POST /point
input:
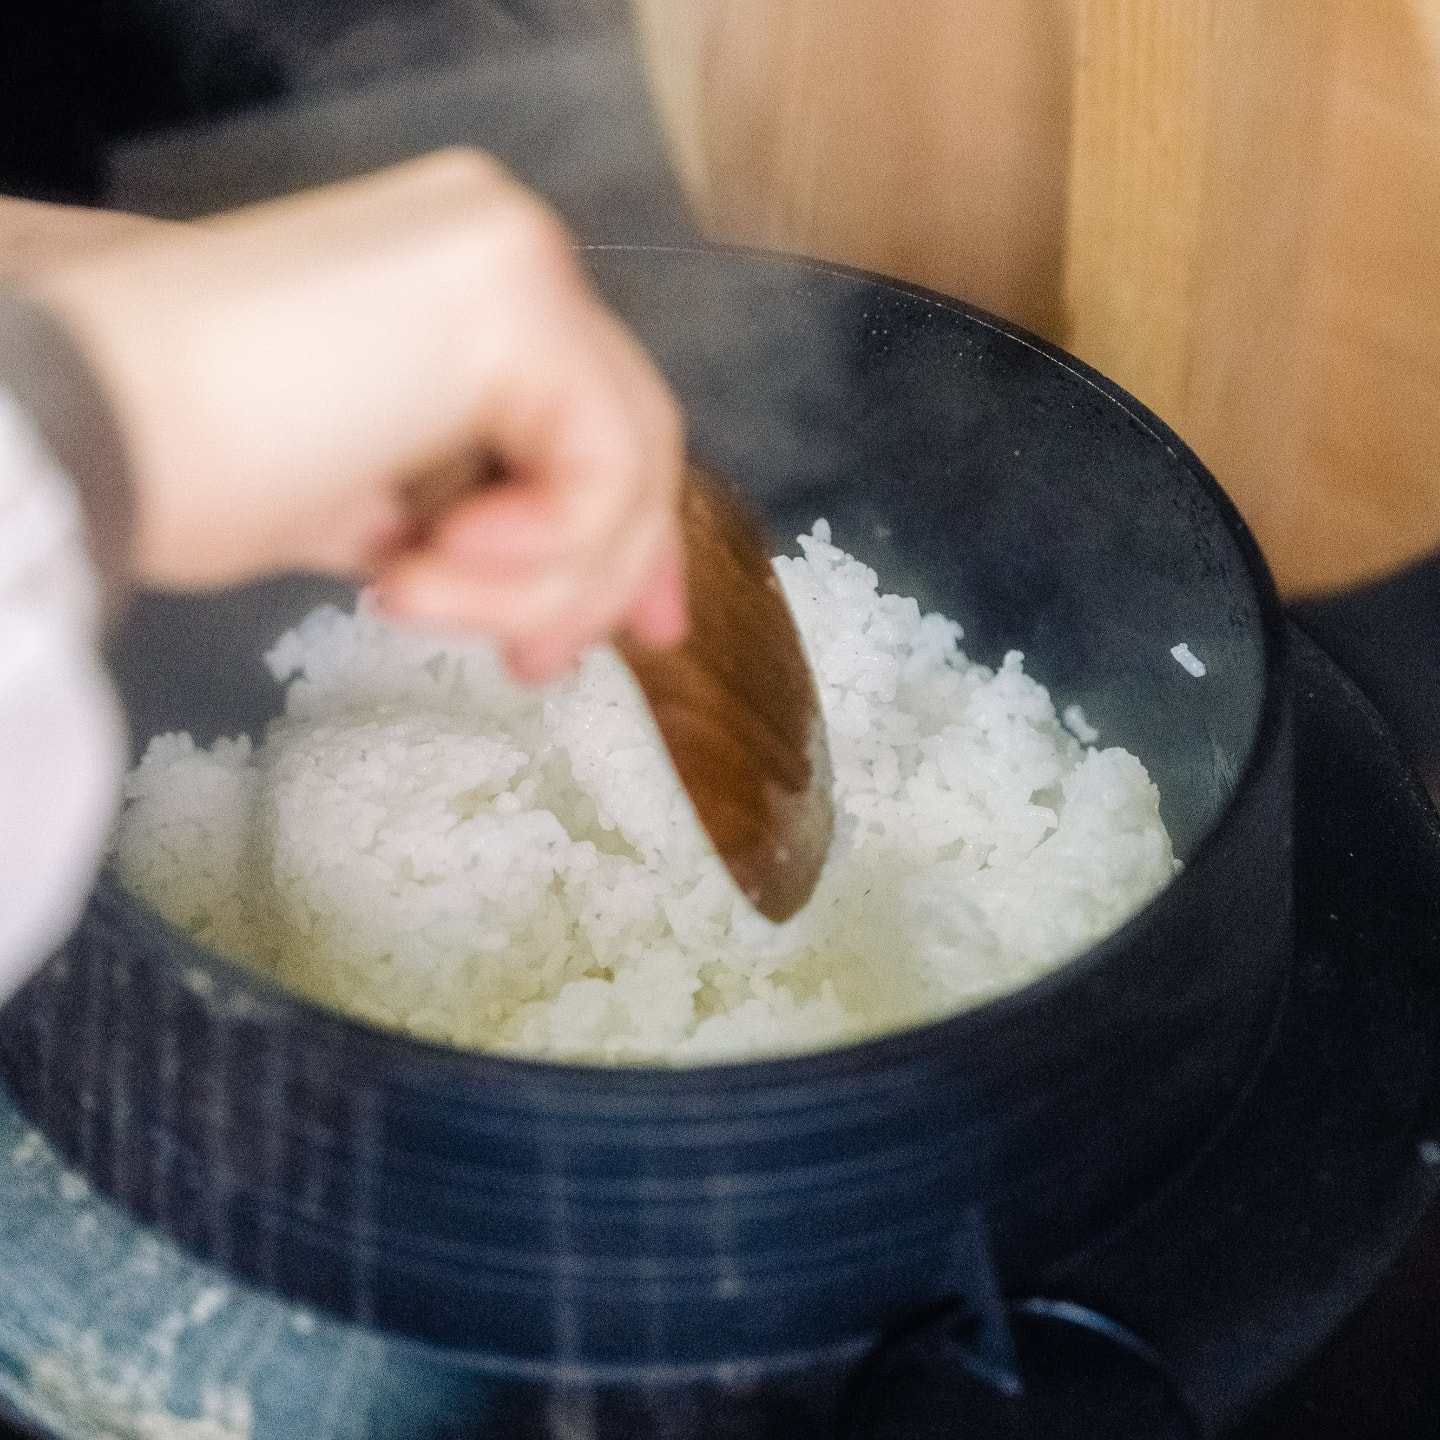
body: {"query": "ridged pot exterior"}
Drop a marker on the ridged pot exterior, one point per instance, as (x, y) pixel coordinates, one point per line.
(567, 1219)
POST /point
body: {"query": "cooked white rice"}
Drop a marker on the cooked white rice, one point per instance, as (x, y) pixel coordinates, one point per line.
(425, 845)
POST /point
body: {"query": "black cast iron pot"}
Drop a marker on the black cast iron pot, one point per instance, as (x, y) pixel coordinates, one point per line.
(565, 1220)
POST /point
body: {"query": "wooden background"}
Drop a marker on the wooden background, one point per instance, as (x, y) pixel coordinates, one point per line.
(1232, 207)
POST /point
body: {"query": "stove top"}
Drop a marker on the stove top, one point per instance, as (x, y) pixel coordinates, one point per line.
(1245, 1275)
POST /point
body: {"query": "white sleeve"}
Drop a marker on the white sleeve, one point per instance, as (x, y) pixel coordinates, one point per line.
(62, 748)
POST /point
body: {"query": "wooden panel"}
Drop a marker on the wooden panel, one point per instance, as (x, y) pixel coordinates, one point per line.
(1145, 77)
(1254, 250)
(921, 138)
(1196, 152)
(1370, 463)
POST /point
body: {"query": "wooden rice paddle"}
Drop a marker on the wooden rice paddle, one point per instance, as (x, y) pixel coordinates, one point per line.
(735, 702)
(737, 707)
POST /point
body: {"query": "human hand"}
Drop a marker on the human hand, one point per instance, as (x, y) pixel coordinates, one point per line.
(283, 374)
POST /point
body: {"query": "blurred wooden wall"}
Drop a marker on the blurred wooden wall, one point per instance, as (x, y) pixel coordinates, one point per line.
(1232, 207)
